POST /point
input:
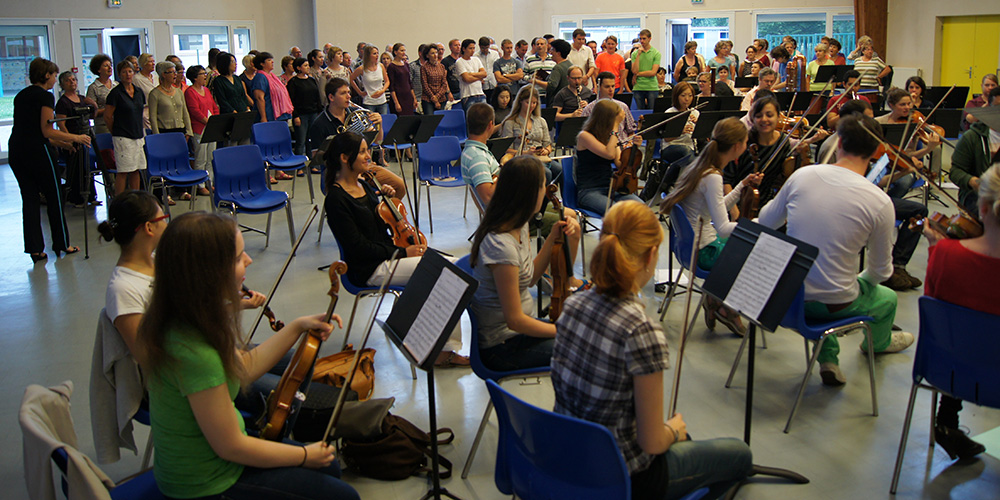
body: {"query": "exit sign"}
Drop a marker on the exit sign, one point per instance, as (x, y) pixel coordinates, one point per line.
(114, 4)
(697, 1)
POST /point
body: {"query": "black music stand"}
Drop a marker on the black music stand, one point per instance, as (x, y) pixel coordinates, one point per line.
(568, 131)
(228, 127)
(947, 118)
(784, 99)
(719, 285)
(549, 115)
(730, 103)
(746, 82)
(421, 320)
(499, 146)
(714, 103)
(803, 100)
(956, 99)
(624, 97)
(708, 119)
(836, 71)
(423, 133)
(404, 128)
(669, 130)
(662, 105)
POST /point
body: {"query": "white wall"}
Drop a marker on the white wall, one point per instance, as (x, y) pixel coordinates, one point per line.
(278, 25)
(410, 22)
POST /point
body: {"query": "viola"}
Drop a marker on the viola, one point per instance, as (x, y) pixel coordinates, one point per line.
(750, 197)
(560, 261)
(393, 212)
(276, 324)
(279, 402)
(787, 125)
(896, 156)
(924, 129)
(959, 226)
(625, 180)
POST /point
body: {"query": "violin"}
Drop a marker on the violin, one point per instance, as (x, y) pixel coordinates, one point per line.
(625, 180)
(393, 212)
(279, 402)
(276, 324)
(787, 125)
(750, 197)
(895, 156)
(560, 261)
(959, 226)
(924, 129)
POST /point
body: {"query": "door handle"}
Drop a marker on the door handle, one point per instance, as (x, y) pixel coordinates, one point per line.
(969, 71)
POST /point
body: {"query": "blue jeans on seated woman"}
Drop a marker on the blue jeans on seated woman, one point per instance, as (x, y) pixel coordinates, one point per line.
(688, 466)
(596, 199)
(518, 353)
(382, 109)
(291, 483)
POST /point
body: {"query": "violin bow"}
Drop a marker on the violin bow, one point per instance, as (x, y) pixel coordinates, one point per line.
(281, 274)
(920, 174)
(928, 117)
(902, 140)
(798, 123)
(527, 115)
(338, 408)
(663, 122)
(687, 317)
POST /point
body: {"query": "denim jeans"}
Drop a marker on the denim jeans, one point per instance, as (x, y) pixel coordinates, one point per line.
(644, 99)
(429, 108)
(596, 199)
(382, 109)
(467, 102)
(518, 353)
(291, 483)
(717, 464)
(302, 132)
(906, 240)
(553, 171)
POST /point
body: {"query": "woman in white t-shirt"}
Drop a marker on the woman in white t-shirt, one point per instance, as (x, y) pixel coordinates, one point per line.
(374, 81)
(699, 191)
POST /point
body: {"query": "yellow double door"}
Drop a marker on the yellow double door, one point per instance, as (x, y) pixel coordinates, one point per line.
(970, 48)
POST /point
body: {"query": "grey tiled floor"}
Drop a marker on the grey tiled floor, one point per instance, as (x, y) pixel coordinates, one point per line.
(50, 311)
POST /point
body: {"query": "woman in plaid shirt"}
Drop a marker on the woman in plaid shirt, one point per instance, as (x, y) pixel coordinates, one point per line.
(608, 362)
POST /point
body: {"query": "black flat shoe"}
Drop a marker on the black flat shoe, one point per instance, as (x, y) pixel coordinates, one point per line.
(956, 443)
(38, 257)
(68, 251)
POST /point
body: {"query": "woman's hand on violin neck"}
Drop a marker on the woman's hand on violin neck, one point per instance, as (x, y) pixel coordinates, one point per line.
(318, 455)
(387, 190)
(316, 325)
(253, 300)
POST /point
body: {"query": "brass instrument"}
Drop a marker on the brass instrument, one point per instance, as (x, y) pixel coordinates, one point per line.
(356, 120)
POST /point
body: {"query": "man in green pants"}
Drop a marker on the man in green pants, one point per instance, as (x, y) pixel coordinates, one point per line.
(836, 209)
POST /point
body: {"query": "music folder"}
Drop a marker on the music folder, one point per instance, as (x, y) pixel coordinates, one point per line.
(836, 71)
(759, 272)
(499, 146)
(429, 308)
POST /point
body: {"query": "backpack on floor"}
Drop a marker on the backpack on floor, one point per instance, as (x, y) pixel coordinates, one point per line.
(401, 450)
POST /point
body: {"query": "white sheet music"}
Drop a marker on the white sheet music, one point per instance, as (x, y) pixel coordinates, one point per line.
(434, 315)
(759, 275)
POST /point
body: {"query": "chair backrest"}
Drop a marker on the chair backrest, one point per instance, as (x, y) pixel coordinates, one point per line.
(351, 288)
(104, 141)
(957, 351)
(273, 139)
(475, 360)
(437, 157)
(569, 182)
(681, 235)
(795, 316)
(542, 454)
(240, 173)
(167, 154)
(453, 124)
(636, 113)
(388, 120)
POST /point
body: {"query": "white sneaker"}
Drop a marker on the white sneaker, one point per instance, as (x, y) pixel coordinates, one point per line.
(899, 342)
(831, 374)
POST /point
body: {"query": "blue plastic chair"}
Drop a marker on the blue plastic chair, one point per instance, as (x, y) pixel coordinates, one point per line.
(452, 124)
(485, 373)
(956, 355)
(359, 292)
(241, 185)
(680, 238)
(817, 332)
(169, 165)
(141, 487)
(275, 143)
(543, 454)
(569, 199)
(437, 162)
(388, 120)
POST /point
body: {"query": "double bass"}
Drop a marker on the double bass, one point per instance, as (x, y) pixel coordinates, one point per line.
(393, 212)
(280, 401)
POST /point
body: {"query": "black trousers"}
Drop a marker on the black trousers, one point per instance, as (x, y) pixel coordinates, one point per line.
(35, 171)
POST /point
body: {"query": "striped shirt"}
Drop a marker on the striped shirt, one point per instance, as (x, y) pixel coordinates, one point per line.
(601, 344)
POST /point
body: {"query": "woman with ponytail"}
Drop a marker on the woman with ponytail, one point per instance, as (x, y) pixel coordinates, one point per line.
(699, 192)
(503, 263)
(608, 362)
(965, 273)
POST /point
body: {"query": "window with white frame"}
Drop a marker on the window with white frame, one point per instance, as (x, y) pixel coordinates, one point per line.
(192, 43)
(19, 44)
(807, 29)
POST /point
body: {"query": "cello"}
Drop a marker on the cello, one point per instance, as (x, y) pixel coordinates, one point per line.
(393, 212)
(560, 261)
(279, 402)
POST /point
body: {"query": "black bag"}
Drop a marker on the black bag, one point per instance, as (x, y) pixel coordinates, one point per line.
(662, 177)
(314, 412)
(400, 451)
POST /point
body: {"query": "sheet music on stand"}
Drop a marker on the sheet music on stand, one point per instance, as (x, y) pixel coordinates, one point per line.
(434, 315)
(759, 272)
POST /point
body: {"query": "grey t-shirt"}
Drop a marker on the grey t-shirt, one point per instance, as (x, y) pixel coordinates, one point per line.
(500, 248)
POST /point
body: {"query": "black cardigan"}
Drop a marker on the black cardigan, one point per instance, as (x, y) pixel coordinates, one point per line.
(364, 237)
